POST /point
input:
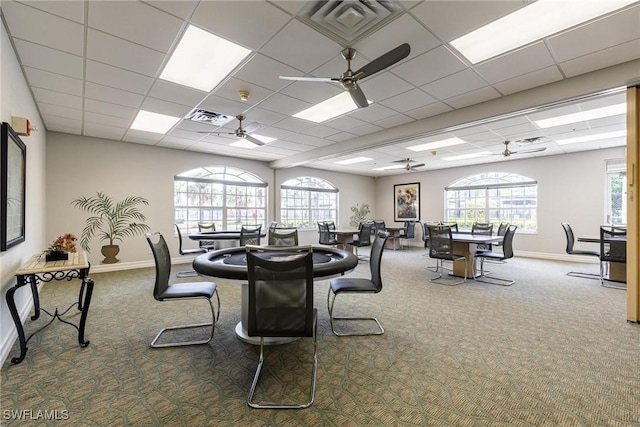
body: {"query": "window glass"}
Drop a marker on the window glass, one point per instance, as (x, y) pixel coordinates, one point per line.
(229, 197)
(493, 197)
(306, 200)
(616, 204)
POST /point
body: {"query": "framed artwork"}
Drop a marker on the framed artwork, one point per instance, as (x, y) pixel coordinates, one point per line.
(407, 202)
(13, 155)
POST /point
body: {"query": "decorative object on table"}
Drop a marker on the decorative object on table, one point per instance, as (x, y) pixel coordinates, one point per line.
(61, 248)
(13, 155)
(406, 202)
(111, 221)
(360, 212)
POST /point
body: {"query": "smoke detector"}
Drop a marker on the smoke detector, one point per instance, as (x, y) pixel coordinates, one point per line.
(244, 95)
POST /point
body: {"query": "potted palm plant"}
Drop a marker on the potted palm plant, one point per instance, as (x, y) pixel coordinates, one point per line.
(111, 221)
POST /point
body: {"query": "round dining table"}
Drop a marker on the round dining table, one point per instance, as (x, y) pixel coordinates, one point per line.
(224, 239)
(231, 263)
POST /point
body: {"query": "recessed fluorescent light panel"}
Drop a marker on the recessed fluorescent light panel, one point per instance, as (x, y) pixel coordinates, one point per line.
(437, 144)
(516, 29)
(596, 113)
(465, 156)
(153, 122)
(596, 137)
(332, 107)
(202, 60)
(245, 143)
(390, 167)
(353, 160)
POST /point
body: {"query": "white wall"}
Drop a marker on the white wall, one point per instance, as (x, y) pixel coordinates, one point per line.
(16, 100)
(571, 188)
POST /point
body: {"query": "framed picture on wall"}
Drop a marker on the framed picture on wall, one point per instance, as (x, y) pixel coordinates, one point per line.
(407, 202)
(13, 153)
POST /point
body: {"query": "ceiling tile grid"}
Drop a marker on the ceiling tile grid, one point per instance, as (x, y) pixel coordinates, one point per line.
(91, 67)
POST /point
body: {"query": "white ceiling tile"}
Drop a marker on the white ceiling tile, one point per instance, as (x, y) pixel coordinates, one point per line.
(264, 71)
(174, 142)
(516, 63)
(102, 119)
(529, 80)
(44, 58)
(383, 85)
(108, 49)
(284, 104)
(312, 92)
(136, 22)
(179, 94)
(393, 121)
(344, 122)
(59, 111)
(160, 106)
(291, 7)
(455, 84)
(100, 107)
(231, 88)
(112, 95)
(58, 124)
(301, 48)
(597, 35)
(473, 97)
(373, 113)
(342, 136)
(266, 20)
(409, 100)
(264, 117)
(107, 75)
(605, 58)
(430, 66)
(179, 8)
(57, 98)
(51, 81)
(428, 110)
(365, 129)
(98, 130)
(44, 28)
(72, 10)
(294, 124)
(320, 131)
(451, 19)
(142, 137)
(221, 105)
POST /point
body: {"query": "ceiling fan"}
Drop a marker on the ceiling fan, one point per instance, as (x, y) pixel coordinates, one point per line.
(242, 132)
(349, 79)
(408, 166)
(506, 152)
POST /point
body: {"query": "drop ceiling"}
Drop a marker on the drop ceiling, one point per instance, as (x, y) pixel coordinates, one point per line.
(92, 65)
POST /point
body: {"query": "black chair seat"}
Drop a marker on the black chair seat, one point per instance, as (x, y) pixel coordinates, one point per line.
(189, 290)
(583, 252)
(499, 256)
(348, 284)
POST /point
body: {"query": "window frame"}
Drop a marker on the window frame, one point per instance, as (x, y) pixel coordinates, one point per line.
(314, 213)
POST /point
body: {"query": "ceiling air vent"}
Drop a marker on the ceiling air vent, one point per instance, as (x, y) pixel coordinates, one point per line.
(347, 21)
(204, 116)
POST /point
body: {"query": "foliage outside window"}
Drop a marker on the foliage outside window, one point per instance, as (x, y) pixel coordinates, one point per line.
(306, 200)
(493, 197)
(223, 195)
(616, 206)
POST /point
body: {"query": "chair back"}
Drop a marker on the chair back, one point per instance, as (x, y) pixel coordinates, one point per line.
(162, 260)
(507, 242)
(440, 242)
(409, 229)
(378, 225)
(364, 237)
(502, 228)
(273, 225)
(283, 237)
(324, 237)
(330, 225)
(250, 235)
(280, 292)
(482, 228)
(613, 251)
(375, 260)
(206, 226)
(179, 240)
(570, 238)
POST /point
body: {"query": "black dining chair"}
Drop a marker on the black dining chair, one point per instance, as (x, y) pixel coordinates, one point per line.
(441, 249)
(209, 245)
(364, 238)
(409, 232)
(612, 251)
(483, 229)
(182, 251)
(378, 225)
(282, 237)
(250, 235)
(507, 252)
(568, 231)
(354, 285)
(324, 236)
(280, 304)
(163, 291)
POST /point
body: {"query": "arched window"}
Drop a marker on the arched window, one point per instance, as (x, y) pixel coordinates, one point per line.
(305, 200)
(493, 197)
(229, 197)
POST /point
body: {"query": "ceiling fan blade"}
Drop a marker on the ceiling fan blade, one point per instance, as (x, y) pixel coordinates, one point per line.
(254, 140)
(419, 165)
(384, 61)
(216, 133)
(310, 79)
(358, 96)
(252, 127)
(535, 150)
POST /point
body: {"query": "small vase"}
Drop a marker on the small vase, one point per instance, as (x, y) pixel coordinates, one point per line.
(56, 256)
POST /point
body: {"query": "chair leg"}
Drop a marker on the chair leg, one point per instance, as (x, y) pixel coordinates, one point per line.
(440, 265)
(331, 302)
(491, 280)
(190, 326)
(608, 283)
(187, 273)
(312, 392)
